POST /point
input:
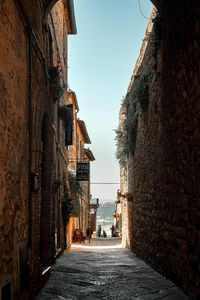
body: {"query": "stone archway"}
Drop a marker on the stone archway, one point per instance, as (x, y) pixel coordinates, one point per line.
(45, 216)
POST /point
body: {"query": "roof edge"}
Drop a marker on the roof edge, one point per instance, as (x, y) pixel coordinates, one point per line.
(89, 154)
(83, 128)
(75, 99)
(70, 6)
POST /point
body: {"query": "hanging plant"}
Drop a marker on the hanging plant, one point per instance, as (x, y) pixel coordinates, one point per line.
(56, 88)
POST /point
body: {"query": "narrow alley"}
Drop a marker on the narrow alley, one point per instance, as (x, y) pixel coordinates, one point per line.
(100, 141)
(104, 270)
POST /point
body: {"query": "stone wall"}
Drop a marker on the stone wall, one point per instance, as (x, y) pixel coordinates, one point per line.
(164, 172)
(14, 148)
(32, 153)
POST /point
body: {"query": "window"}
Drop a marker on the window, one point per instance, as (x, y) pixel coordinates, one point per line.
(69, 129)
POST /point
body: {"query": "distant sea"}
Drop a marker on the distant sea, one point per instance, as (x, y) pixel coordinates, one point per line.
(107, 200)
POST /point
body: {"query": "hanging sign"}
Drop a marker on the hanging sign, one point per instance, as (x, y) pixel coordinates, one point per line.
(82, 171)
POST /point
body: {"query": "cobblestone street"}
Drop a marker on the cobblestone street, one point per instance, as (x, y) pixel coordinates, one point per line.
(103, 270)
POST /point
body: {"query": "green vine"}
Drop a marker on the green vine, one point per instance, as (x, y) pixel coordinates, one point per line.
(140, 90)
(156, 33)
(67, 205)
(58, 89)
(76, 193)
(154, 37)
(136, 101)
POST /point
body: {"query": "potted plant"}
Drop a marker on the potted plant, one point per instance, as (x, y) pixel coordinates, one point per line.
(56, 88)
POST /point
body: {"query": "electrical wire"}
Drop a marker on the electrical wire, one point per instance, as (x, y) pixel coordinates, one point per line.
(104, 183)
(141, 10)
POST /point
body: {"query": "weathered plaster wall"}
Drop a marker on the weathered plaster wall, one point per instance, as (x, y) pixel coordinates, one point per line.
(164, 172)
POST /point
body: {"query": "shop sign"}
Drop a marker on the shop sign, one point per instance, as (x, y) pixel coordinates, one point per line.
(82, 171)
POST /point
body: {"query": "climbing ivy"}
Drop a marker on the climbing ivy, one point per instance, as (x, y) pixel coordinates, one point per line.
(156, 31)
(76, 193)
(154, 37)
(140, 90)
(135, 102)
(67, 205)
(58, 89)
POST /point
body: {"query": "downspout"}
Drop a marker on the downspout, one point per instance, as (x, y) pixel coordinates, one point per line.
(70, 8)
(30, 136)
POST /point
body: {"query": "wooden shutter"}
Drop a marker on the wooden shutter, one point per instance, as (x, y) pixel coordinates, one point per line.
(69, 130)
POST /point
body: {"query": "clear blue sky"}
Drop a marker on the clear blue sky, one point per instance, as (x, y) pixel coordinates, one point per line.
(101, 59)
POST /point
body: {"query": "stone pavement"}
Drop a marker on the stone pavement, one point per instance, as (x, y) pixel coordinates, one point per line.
(97, 271)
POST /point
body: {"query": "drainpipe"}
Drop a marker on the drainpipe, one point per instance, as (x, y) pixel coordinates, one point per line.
(30, 137)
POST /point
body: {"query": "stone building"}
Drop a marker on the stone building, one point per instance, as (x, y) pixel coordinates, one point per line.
(83, 158)
(78, 154)
(89, 157)
(125, 157)
(33, 153)
(162, 133)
